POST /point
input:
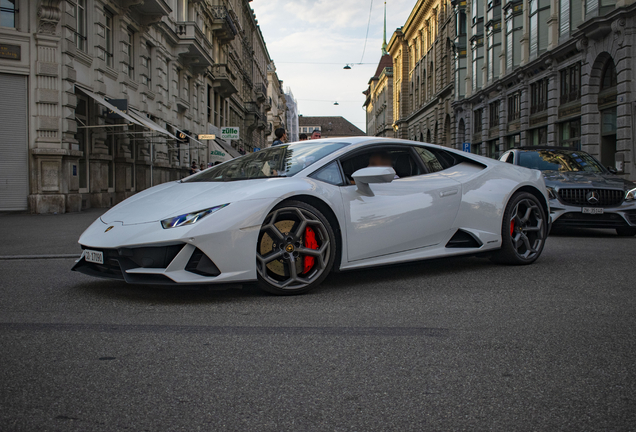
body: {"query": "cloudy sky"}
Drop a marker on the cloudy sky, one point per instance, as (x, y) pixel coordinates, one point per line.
(310, 41)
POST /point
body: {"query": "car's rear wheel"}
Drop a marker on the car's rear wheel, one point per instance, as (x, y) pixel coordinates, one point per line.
(295, 250)
(524, 231)
(626, 231)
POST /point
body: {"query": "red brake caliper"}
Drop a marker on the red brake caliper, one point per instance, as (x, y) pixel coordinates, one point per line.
(512, 226)
(311, 243)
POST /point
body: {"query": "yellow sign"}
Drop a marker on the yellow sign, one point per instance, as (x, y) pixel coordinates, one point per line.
(207, 136)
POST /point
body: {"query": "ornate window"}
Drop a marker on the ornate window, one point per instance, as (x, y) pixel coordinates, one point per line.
(539, 16)
(8, 11)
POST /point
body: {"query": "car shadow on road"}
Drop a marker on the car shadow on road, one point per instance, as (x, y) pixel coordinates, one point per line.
(335, 283)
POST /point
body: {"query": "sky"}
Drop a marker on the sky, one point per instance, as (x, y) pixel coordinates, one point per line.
(310, 41)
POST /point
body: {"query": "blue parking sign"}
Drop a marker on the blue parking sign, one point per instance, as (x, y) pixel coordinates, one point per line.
(466, 147)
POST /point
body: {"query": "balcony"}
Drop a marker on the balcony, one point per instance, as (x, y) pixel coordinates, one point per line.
(268, 129)
(254, 117)
(194, 46)
(267, 105)
(261, 92)
(153, 8)
(223, 26)
(224, 80)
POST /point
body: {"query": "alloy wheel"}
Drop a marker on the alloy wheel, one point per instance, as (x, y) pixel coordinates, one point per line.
(527, 231)
(293, 248)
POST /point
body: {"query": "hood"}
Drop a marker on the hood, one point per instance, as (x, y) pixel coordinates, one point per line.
(176, 198)
(583, 179)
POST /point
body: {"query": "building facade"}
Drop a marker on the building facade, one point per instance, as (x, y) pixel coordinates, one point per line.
(105, 98)
(537, 72)
(292, 116)
(329, 126)
(277, 114)
(379, 99)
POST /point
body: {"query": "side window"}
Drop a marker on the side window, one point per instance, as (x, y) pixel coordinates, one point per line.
(431, 162)
(329, 174)
(508, 157)
(401, 159)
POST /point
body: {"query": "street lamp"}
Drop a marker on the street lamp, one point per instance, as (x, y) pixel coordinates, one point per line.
(347, 67)
(336, 103)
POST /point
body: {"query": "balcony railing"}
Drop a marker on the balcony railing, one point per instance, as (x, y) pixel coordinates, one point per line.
(223, 25)
(224, 81)
(189, 34)
(261, 91)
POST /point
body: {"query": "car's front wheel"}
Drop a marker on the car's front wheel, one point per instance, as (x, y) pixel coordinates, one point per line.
(296, 249)
(524, 230)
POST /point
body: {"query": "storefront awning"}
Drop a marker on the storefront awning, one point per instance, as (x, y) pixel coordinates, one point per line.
(110, 106)
(149, 123)
(228, 148)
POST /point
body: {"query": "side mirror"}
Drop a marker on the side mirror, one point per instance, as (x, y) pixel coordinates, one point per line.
(612, 170)
(365, 176)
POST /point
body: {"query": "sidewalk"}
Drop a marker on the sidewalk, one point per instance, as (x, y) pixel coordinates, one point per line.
(27, 234)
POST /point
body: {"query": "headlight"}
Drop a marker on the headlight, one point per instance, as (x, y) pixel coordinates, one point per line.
(630, 195)
(551, 192)
(189, 218)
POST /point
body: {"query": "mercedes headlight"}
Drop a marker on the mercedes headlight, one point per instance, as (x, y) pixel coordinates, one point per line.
(189, 218)
(551, 192)
(630, 195)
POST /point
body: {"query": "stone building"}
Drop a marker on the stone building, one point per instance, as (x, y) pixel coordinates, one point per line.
(423, 89)
(557, 72)
(329, 126)
(292, 116)
(379, 99)
(104, 98)
(277, 114)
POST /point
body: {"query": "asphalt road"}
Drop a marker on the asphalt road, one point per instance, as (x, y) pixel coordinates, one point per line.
(456, 344)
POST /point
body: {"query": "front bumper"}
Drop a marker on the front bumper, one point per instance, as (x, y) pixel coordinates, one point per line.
(563, 215)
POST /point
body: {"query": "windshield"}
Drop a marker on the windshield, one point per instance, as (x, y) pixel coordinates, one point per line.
(277, 161)
(559, 160)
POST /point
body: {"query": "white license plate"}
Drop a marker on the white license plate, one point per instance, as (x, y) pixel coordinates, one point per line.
(592, 210)
(94, 256)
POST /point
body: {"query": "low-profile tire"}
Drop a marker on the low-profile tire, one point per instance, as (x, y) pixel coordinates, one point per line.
(626, 231)
(296, 249)
(523, 232)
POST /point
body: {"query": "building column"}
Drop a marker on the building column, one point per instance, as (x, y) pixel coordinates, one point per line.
(553, 107)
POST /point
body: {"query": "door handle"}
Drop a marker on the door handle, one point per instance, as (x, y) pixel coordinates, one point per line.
(448, 192)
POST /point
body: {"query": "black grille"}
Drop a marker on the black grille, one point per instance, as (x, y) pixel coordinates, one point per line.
(580, 220)
(579, 197)
(631, 216)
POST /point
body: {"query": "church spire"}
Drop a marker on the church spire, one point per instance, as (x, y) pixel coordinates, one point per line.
(384, 52)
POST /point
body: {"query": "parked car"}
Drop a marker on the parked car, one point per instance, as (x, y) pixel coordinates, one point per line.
(583, 193)
(288, 215)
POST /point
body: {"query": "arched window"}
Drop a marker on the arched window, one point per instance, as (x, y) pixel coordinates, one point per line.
(428, 136)
(609, 78)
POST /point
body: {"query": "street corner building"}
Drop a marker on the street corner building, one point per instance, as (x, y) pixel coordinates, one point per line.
(489, 75)
(104, 98)
(328, 126)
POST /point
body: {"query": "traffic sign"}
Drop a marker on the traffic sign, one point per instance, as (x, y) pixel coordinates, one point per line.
(466, 147)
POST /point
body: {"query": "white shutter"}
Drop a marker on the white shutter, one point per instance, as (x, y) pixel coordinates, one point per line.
(564, 18)
(14, 172)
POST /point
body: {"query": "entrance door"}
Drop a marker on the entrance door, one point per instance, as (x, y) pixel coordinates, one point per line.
(14, 170)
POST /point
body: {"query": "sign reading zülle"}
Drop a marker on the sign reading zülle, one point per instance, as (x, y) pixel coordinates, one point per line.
(230, 133)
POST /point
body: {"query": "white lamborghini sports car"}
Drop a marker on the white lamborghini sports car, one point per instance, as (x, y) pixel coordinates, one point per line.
(288, 215)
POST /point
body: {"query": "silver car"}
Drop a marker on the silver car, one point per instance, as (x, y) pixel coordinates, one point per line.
(583, 193)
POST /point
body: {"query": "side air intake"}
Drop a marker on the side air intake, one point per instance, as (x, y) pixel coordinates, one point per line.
(200, 264)
(464, 239)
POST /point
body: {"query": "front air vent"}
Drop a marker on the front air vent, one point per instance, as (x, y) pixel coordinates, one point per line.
(464, 239)
(200, 264)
